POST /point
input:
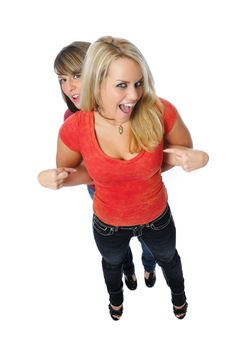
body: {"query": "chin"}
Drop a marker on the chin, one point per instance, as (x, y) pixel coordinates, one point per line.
(125, 117)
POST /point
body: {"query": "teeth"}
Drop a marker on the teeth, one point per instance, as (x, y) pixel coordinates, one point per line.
(129, 105)
(75, 96)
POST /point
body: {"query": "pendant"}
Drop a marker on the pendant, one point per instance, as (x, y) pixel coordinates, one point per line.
(120, 129)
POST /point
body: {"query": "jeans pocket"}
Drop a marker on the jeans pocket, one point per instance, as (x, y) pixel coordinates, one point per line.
(101, 228)
(162, 221)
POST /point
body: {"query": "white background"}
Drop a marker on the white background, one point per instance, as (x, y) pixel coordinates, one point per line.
(52, 293)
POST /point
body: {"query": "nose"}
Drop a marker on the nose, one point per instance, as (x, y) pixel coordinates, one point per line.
(133, 94)
(70, 84)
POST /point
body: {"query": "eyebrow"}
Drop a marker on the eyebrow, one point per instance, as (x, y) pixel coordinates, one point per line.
(73, 73)
(124, 81)
(61, 75)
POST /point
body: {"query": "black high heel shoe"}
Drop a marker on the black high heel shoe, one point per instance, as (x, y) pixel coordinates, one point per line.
(130, 283)
(114, 313)
(150, 281)
(180, 313)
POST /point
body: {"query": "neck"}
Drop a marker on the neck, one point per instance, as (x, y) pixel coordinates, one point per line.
(113, 122)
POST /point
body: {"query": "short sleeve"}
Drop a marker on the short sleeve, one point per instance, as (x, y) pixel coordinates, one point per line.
(169, 116)
(69, 132)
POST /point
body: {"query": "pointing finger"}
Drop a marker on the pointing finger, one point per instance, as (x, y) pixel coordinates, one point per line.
(176, 151)
(70, 170)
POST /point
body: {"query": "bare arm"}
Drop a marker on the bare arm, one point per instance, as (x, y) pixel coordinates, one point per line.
(65, 157)
(179, 135)
(61, 177)
(71, 170)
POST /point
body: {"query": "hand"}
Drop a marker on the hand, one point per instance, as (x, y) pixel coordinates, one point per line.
(54, 178)
(189, 159)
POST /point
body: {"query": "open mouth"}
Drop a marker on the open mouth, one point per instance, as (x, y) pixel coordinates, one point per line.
(75, 97)
(127, 107)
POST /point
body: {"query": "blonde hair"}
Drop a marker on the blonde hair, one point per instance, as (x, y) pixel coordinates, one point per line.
(69, 62)
(146, 119)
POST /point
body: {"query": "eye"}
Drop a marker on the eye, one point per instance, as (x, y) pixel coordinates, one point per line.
(61, 80)
(76, 76)
(122, 85)
(139, 84)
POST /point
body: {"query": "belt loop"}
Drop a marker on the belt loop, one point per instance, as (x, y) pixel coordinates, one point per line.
(137, 231)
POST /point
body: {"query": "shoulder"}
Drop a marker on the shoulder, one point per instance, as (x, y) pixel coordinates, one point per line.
(77, 123)
(75, 118)
(167, 107)
(71, 123)
(67, 114)
(74, 130)
(69, 131)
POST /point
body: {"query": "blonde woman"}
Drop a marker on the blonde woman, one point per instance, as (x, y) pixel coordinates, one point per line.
(120, 135)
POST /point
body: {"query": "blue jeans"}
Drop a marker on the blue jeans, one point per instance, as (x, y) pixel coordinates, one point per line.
(147, 257)
(159, 235)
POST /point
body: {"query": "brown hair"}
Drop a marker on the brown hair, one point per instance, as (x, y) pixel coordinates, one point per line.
(69, 62)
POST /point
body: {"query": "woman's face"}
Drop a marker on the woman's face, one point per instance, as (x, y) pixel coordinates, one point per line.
(121, 90)
(71, 85)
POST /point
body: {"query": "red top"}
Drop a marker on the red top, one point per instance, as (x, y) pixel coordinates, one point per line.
(128, 192)
(67, 114)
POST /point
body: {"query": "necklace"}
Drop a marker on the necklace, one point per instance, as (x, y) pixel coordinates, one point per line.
(120, 127)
